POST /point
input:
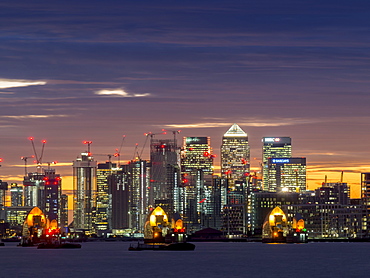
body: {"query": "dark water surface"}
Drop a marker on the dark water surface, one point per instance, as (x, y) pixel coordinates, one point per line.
(112, 259)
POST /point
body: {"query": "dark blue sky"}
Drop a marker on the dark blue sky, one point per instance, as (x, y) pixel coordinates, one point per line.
(108, 68)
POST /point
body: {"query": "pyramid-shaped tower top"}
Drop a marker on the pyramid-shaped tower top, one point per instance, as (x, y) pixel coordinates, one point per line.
(235, 131)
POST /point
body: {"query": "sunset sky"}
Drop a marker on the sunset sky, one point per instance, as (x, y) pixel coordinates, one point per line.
(97, 70)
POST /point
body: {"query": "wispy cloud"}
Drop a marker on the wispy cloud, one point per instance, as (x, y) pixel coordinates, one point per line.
(119, 93)
(254, 122)
(20, 117)
(13, 83)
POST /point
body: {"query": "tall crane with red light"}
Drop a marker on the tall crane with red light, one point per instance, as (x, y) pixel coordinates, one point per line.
(25, 158)
(88, 143)
(38, 158)
(118, 151)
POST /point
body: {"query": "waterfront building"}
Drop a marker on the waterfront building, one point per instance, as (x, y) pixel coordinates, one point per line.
(333, 193)
(52, 193)
(119, 209)
(104, 170)
(63, 219)
(365, 196)
(274, 147)
(130, 195)
(329, 220)
(164, 173)
(16, 195)
(34, 185)
(286, 174)
(196, 175)
(3, 189)
(84, 186)
(261, 203)
(235, 154)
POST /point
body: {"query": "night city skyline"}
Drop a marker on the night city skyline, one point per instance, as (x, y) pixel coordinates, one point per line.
(92, 71)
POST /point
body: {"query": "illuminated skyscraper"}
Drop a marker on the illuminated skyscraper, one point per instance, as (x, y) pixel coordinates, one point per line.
(137, 174)
(286, 174)
(235, 154)
(103, 172)
(63, 210)
(16, 195)
(196, 171)
(164, 158)
(43, 190)
(52, 192)
(274, 147)
(84, 186)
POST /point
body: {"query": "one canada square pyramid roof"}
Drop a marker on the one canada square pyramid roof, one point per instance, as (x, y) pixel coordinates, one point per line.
(235, 131)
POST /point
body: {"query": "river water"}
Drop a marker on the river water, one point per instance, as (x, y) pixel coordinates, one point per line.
(224, 259)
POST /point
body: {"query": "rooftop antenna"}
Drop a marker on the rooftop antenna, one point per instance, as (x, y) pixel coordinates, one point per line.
(341, 177)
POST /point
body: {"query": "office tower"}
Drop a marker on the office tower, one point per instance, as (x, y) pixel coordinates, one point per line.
(286, 174)
(63, 219)
(52, 193)
(84, 186)
(3, 189)
(130, 193)
(16, 195)
(118, 214)
(274, 147)
(103, 171)
(365, 196)
(235, 154)
(33, 190)
(196, 171)
(164, 158)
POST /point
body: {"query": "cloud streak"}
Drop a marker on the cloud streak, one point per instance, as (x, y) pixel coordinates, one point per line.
(14, 83)
(118, 93)
(21, 117)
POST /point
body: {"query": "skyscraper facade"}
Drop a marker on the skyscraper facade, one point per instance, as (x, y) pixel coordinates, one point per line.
(16, 195)
(196, 172)
(235, 154)
(103, 172)
(84, 186)
(286, 174)
(52, 192)
(164, 158)
(274, 147)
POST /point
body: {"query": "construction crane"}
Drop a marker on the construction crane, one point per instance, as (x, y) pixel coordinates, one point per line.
(109, 156)
(25, 158)
(88, 143)
(174, 132)
(151, 135)
(38, 158)
(118, 151)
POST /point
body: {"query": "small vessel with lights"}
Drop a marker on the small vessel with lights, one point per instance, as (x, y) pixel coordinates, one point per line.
(161, 234)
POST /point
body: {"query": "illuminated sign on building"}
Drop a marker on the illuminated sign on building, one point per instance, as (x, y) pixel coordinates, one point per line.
(281, 160)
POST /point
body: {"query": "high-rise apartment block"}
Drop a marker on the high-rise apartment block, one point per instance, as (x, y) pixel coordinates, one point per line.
(84, 186)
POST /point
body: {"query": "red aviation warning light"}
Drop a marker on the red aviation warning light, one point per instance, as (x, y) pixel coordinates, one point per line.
(206, 154)
(1, 160)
